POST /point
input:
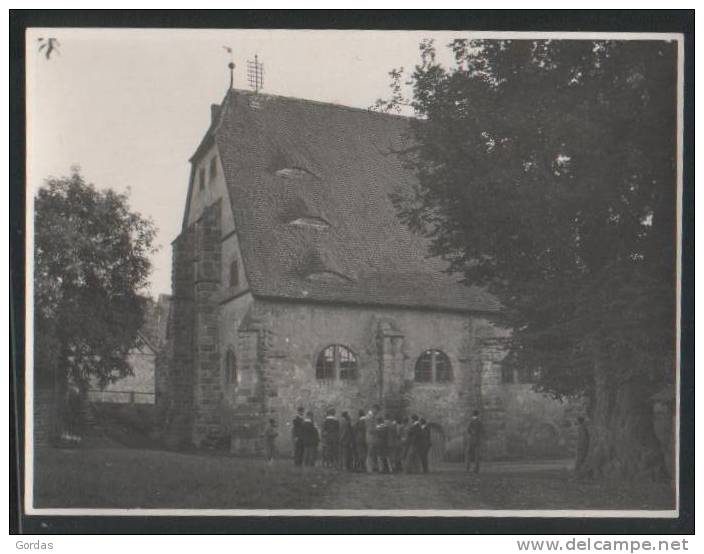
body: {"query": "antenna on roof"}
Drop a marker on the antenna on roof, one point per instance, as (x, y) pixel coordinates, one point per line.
(231, 65)
(255, 74)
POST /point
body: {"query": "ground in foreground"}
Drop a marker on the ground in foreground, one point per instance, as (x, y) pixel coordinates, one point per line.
(131, 478)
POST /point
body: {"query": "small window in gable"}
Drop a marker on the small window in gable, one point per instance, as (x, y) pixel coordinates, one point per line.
(230, 367)
(235, 273)
(213, 167)
(201, 178)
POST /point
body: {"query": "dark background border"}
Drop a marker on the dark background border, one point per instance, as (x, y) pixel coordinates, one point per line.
(664, 21)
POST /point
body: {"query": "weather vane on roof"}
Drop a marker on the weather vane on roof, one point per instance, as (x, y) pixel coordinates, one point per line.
(255, 74)
(231, 65)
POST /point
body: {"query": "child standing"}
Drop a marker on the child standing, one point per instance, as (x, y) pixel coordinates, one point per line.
(270, 434)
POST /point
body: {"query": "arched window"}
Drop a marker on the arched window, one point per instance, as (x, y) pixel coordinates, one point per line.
(230, 367)
(235, 273)
(336, 361)
(433, 365)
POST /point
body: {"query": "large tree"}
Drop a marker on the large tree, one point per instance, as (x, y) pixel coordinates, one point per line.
(91, 266)
(547, 172)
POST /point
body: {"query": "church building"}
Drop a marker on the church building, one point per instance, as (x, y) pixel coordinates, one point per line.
(295, 284)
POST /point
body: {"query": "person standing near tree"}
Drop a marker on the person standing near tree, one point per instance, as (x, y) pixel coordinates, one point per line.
(475, 432)
(582, 443)
(74, 405)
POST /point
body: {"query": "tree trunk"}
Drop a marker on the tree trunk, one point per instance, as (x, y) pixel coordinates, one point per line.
(60, 388)
(622, 442)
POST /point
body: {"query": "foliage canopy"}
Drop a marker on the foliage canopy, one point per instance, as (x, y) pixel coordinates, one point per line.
(547, 172)
(91, 269)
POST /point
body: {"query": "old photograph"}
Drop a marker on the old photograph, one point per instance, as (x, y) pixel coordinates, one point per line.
(339, 272)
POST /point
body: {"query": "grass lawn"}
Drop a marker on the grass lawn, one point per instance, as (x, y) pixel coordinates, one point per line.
(132, 478)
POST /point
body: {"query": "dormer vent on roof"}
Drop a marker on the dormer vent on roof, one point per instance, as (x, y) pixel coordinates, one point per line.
(315, 222)
(303, 213)
(321, 264)
(293, 173)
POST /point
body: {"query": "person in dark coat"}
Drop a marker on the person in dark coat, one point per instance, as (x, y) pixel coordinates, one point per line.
(403, 427)
(394, 443)
(311, 439)
(413, 444)
(372, 439)
(582, 443)
(331, 439)
(382, 445)
(297, 437)
(425, 444)
(475, 435)
(360, 442)
(347, 450)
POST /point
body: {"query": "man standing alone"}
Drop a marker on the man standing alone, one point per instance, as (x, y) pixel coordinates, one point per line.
(475, 434)
(297, 437)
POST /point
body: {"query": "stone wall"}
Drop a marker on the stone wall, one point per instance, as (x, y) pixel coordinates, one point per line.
(174, 369)
(278, 343)
(207, 389)
(289, 336)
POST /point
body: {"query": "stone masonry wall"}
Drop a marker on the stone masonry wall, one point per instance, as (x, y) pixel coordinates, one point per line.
(386, 343)
(174, 369)
(207, 389)
(278, 344)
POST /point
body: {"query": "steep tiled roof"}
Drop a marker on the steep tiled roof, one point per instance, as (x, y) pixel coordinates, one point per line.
(339, 166)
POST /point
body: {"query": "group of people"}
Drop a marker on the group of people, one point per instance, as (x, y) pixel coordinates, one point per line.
(372, 443)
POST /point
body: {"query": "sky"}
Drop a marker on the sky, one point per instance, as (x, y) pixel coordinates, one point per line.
(129, 106)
